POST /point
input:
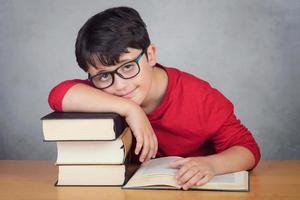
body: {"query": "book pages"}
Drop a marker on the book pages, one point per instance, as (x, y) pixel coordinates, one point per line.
(158, 166)
(157, 174)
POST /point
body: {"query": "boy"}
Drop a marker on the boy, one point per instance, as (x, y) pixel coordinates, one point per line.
(169, 111)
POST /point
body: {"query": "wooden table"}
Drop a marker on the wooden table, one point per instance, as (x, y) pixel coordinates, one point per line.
(35, 179)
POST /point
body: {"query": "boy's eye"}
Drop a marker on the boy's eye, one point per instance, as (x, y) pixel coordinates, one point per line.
(104, 76)
(127, 67)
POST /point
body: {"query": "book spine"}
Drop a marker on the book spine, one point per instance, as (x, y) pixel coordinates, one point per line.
(119, 125)
(127, 142)
(130, 167)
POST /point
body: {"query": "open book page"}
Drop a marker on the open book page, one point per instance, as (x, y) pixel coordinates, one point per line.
(226, 178)
(157, 174)
(154, 172)
(158, 166)
(238, 181)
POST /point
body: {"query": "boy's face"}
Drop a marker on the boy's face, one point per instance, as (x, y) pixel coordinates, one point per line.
(137, 88)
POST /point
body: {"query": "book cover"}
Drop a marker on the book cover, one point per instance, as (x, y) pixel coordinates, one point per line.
(72, 126)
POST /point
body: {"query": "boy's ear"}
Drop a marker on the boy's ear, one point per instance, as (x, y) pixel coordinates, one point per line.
(151, 53)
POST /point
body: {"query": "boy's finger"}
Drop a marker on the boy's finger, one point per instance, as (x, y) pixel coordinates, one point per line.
(145, 150)
(202, 181)
(182, 172)
(151, 149)
(193, 181)
(155, 146)
(178, 162)
(139, 144)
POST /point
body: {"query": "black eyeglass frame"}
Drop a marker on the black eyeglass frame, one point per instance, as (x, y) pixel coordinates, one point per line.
(136, 60)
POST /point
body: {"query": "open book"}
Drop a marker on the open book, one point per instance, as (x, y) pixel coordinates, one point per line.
(157, 174)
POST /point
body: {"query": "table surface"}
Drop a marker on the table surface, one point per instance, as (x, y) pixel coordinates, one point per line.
(28, 179)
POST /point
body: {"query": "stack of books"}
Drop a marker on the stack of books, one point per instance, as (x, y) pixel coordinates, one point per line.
(92, 148)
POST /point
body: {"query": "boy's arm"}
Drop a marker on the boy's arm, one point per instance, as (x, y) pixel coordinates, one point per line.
(84, 98)
(58, 92)
(234, 144)
(199, 170)
(236, 151)
(233, 159)
(79, 96)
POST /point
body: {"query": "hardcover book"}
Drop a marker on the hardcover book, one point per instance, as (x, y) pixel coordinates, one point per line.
(94, 152)
(68, 126)
(95, 175)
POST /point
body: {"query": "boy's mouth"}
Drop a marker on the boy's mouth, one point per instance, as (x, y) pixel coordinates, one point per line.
(128, 94)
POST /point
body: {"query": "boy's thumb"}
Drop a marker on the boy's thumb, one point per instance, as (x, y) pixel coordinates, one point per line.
(174, 163)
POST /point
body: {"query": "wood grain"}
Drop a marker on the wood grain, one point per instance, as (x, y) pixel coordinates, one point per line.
(28, 179)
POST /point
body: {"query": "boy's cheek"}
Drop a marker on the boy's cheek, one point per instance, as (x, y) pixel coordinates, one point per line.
(139, 97)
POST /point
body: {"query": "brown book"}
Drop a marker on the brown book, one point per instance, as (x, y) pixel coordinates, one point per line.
(68, 126)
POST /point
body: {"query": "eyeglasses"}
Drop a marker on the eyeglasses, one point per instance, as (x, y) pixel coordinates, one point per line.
(128, 70)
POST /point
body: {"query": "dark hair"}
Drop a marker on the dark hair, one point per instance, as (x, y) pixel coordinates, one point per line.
(108, 34)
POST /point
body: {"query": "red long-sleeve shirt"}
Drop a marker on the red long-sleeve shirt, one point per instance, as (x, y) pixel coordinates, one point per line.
(193, 119)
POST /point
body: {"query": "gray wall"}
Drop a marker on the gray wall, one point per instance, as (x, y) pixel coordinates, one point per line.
(249, 50)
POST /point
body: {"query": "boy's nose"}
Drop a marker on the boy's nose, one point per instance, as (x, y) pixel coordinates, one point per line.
(119, 83)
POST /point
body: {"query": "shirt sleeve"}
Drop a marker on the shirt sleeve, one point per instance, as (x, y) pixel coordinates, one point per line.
(58, 92)
(226, 130)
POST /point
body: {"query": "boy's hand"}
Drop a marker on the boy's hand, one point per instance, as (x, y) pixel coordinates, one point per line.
(142, 130)
(192, 171)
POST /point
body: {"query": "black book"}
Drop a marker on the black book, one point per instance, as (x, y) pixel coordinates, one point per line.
(75, 126)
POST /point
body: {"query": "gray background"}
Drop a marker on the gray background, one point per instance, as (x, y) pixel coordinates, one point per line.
(249, 50)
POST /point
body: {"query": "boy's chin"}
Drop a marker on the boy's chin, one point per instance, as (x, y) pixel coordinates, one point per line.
(137, 100)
